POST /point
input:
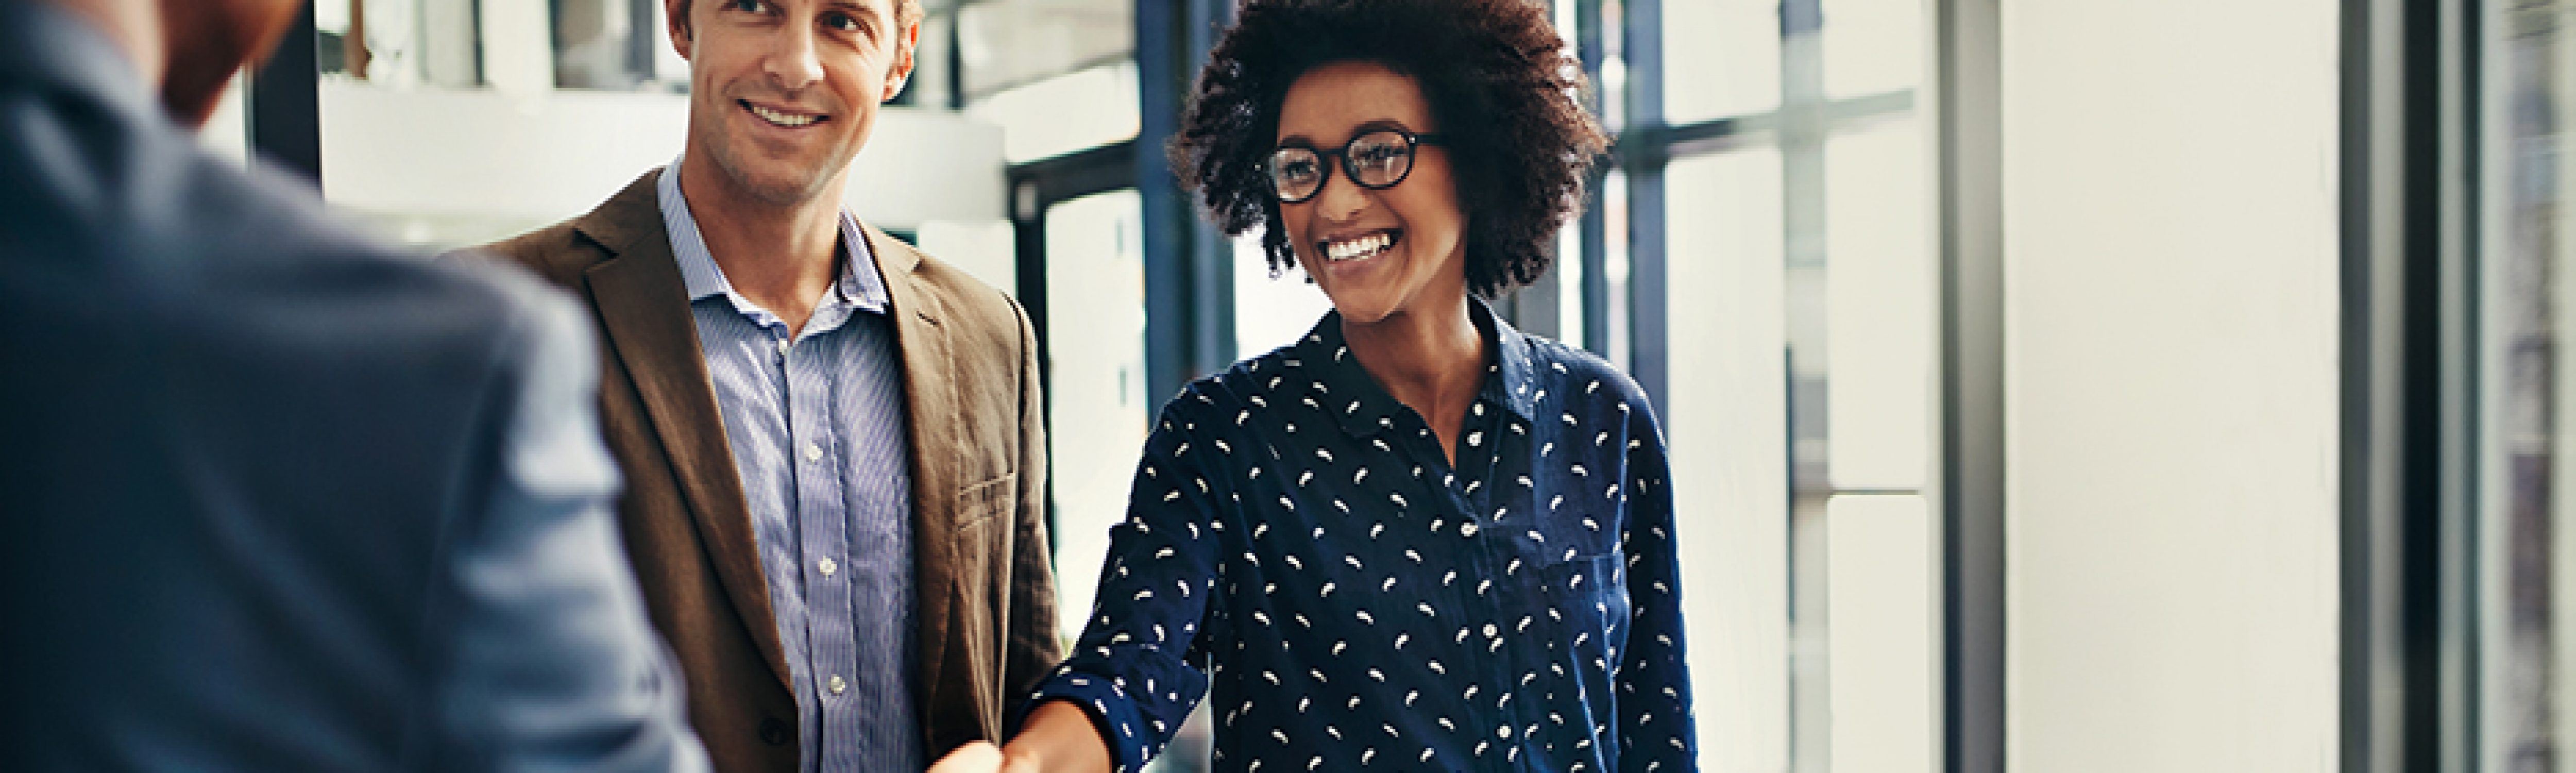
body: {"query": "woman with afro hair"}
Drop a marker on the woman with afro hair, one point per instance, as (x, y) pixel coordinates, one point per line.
(1416, 538)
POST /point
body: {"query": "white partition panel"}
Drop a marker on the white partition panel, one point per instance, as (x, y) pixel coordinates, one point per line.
(2171, 372)
(1727, 429)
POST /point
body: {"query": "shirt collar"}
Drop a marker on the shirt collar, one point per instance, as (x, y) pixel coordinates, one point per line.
(55, 48)
(860, 284)
(1363, 408)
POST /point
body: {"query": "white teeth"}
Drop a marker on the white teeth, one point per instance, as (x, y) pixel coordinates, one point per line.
(1366, 246)
(782, 119)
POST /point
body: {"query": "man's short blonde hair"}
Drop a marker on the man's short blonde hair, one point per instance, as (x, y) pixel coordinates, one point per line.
(906, 13)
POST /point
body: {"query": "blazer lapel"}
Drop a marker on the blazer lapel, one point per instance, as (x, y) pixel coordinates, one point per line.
(930, 381)
(644, 307)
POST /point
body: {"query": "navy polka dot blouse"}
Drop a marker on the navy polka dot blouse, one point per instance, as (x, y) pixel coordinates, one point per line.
(1297, 543)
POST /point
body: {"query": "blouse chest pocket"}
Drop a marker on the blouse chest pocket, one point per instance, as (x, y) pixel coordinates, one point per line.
(1587, 600)
(1575, 554)
(1556, 524)
(1572, 547)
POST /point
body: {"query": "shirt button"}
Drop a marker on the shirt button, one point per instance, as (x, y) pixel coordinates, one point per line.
(828, 566)
(782, 346)
(837, 686)
(813, 453)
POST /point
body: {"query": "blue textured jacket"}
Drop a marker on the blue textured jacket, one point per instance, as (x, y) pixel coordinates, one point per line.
(277, 498)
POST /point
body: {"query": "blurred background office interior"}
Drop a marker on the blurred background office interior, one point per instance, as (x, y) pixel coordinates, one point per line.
(2052, 385)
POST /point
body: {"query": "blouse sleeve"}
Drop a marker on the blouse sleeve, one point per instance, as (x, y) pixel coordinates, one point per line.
(1656, 732)
(1137, 670)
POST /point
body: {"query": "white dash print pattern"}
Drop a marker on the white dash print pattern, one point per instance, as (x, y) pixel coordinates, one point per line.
(1299, 550)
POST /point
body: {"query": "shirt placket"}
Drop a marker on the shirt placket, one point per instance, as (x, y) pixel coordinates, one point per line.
(822, 534)
(1468, 487)
(1500, 510)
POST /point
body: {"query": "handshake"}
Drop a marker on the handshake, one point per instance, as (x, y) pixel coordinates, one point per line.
(983, 757)
(1057, 737)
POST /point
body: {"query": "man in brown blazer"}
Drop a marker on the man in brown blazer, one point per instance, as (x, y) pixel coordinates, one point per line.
(831, 442)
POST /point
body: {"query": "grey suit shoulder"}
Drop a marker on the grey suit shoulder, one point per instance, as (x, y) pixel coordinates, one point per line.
(282, 499)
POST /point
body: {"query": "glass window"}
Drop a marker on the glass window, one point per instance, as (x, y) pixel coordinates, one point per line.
(1721, 58)
(1270, 312)
(1872, 46)
(1885, 679)
(443, 126)
(1098, 410)
(2527, 303)
(1801, 295)
(1615, 268)
(516, 47)
(1063, 113)
(1879, 317)
(1056, 76)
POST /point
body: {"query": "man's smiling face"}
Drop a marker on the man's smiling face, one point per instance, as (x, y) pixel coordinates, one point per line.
(784, 92)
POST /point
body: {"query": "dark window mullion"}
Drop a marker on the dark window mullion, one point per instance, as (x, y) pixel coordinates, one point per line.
(1648, 356)
(1592, 231)
(285, 102)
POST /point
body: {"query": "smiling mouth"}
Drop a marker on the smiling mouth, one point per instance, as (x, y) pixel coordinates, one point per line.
(776, 118)
(1361, 247)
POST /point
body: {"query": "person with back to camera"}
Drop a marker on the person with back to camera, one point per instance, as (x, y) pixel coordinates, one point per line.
(1414, 539)
(280, 497)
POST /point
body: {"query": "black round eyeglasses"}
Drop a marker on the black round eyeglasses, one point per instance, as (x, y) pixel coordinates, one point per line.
(1377, 159)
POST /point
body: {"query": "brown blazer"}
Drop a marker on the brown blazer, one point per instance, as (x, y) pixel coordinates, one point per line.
(986, 592)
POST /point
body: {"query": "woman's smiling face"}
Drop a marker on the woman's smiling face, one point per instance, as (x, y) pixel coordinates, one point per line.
(1376, 253)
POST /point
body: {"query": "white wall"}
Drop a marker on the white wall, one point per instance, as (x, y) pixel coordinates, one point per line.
(2170, 246)
(458, 166)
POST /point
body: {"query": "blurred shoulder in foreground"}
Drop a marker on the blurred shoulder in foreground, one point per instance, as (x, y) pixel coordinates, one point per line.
(278, 498)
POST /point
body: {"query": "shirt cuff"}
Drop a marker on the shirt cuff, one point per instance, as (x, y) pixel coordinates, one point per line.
(1121, 723)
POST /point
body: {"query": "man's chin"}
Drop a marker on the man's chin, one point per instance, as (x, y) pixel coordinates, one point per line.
(777, 183)
(785, 193)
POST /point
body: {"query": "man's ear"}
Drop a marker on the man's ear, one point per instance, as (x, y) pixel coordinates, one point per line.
(677, 13)
(905, 45)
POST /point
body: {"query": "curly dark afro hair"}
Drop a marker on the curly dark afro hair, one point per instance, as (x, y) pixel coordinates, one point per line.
(1506, 93)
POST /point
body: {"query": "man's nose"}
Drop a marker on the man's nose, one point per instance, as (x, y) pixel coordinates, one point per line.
(793, 61)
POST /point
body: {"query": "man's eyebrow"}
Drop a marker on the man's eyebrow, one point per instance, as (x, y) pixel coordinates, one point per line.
(859, 11)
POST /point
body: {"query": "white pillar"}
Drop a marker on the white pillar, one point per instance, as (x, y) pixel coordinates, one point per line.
(2170, 247)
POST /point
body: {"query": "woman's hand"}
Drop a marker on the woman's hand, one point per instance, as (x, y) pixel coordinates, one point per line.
(1057, 738)
(981, 756)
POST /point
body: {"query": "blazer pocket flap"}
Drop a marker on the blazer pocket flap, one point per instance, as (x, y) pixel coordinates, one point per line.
(981, 502)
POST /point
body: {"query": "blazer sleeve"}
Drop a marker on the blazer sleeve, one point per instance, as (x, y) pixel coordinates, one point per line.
(1034, 644)
(547, 661)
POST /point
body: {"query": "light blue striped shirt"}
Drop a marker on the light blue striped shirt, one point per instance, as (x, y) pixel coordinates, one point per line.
(817, 424)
